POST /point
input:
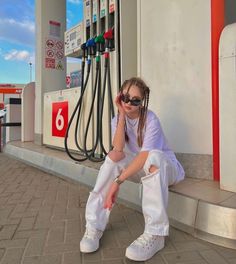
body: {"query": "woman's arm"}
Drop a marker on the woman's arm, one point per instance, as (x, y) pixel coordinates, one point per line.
(136, 165)
(119, 136)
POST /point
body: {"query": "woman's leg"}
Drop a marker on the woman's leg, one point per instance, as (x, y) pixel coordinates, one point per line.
(95, 214)
(160, 173)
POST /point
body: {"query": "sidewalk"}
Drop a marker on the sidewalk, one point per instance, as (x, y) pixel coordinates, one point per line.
(42, 221)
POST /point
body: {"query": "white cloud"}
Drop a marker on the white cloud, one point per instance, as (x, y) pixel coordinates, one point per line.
(19, 55)
(17, 32)
(76, 2)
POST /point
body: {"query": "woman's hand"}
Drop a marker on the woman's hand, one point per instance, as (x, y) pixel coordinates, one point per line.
(119, 104)
(111, 196)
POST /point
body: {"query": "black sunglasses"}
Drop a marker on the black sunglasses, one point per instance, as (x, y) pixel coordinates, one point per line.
(134, 102)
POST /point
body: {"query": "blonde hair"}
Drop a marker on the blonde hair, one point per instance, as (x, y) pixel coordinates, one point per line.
(144, 90)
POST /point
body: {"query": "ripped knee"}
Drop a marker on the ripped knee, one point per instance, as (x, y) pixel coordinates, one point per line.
(153, 169)
(116, 155)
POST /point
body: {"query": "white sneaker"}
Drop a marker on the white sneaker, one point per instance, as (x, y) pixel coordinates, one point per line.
(90, 240)
(144, 247)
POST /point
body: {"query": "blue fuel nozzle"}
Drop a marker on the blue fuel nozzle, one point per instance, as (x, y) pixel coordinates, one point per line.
(91, 45)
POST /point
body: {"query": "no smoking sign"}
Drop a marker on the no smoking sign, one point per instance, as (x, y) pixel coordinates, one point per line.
(59, 118)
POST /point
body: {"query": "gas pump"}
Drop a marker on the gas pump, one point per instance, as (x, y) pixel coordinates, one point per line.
(95, 109)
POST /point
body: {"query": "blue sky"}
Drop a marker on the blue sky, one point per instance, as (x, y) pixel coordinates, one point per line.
(17, 37)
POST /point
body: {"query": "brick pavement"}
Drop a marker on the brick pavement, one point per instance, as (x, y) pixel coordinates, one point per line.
(42, 222)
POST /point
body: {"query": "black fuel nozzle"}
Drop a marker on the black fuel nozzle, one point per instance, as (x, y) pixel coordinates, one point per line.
(85, 50)
(109, 39)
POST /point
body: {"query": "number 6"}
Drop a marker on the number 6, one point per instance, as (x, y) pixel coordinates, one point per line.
(59, 120)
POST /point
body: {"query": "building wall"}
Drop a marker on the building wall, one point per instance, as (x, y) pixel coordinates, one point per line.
(175, 60)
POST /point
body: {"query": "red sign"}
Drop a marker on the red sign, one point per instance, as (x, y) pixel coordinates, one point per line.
(10, 90)
(55, 23)
(68, 81)
(50, 63)
(59, 118)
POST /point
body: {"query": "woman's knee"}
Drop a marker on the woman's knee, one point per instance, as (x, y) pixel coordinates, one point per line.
(153, 169)
(116, 155)
(154, 161)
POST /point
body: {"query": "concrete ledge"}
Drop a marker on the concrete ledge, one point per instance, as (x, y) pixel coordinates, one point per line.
(213, 223)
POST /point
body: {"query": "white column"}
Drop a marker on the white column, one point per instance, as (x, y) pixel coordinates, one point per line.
(50, 67)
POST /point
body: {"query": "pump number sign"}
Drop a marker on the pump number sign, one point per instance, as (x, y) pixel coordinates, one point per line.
(59, 118)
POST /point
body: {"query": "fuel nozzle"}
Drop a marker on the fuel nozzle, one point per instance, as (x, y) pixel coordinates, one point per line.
(100, 43)
(109, 39)
(85, 50)
(91, 45)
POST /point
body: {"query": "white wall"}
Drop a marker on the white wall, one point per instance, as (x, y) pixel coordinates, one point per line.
(175, 60)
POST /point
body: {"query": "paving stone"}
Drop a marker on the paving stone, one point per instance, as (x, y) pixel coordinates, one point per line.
(73, 226)
(29, 233)
(7, 231)
(232, 261)
(190, 245)
(73, 238)
(2, 251)
(13, 243)
(56, 235)
(114, 261)
(156, 259)
(72, 258)
(36, 245)
(61, 248)
(112, 253)
(225, 252)
(92, 257)
(26, 223)
(212, 257)
(181, 257)
(109, 240)
(12, 256)
(128, 261)
(51, 259)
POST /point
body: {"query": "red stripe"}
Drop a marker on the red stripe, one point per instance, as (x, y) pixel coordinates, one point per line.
(217, 25)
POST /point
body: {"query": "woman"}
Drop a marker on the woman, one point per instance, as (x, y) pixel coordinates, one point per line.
(140, 153)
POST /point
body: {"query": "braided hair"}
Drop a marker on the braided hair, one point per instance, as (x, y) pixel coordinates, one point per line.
(144, 90)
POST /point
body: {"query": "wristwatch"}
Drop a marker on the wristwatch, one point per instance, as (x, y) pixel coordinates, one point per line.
(118, 181)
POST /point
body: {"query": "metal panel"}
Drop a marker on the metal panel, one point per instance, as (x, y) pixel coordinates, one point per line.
(216, 220)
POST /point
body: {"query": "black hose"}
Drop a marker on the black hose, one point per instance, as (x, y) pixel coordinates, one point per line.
(100, 91)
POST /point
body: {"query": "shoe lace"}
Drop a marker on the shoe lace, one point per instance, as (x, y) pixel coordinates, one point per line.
(92, 234)
(144, 240)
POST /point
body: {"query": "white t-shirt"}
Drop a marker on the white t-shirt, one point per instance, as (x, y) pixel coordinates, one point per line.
(153, 136)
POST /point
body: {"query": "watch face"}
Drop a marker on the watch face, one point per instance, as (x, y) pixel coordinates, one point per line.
(118, 181)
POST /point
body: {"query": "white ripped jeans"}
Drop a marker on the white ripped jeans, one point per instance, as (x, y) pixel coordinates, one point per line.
(155, 191)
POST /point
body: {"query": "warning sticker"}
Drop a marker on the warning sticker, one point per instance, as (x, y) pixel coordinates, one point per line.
(49, 63)
(59, 55)
(50, 53)
(49, 43)
(59, 45)
(54, 54)
(59, 66)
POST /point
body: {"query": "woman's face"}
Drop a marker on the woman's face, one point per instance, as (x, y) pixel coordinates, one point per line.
(133, 100)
